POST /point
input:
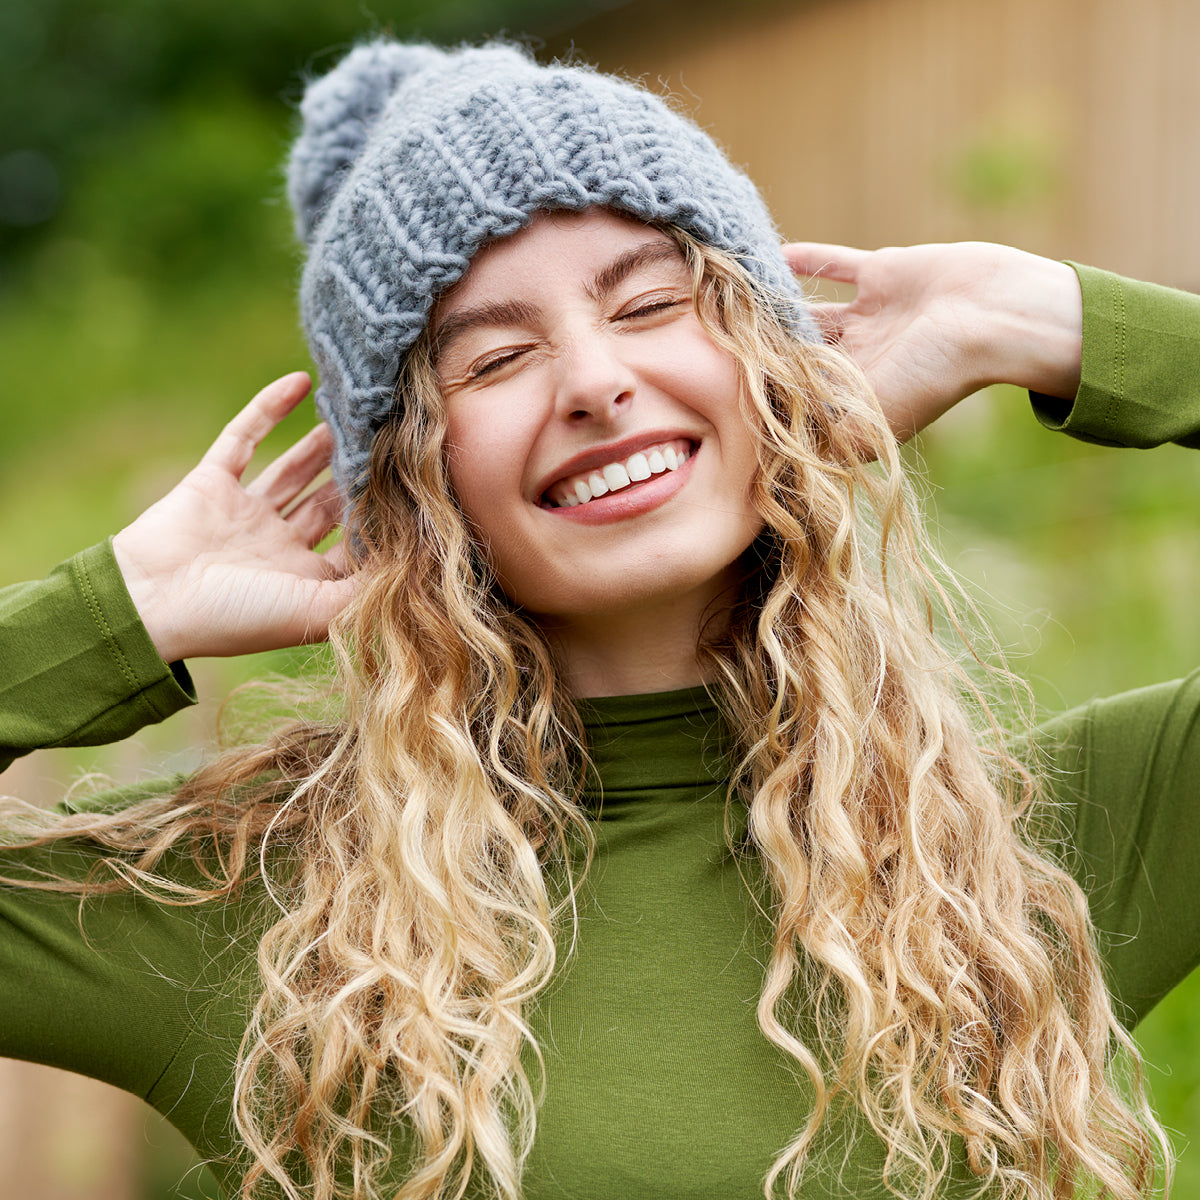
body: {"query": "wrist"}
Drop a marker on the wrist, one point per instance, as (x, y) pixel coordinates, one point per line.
(147, 600)
(1033, 325)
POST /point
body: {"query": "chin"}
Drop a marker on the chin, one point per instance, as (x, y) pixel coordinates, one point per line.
(625, 594)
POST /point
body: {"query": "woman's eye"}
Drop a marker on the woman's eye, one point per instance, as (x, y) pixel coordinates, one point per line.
(487, 365)
(649, 306)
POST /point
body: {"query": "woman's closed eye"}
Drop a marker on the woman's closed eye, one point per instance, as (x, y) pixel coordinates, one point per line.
(643, 308)
(649, 306)
(494, 360)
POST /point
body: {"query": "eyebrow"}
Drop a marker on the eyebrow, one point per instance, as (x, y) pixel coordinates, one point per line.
(624, 265)
(500, 312)
(518, 312)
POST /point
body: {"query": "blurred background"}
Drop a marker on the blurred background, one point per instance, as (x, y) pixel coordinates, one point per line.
(147, 279)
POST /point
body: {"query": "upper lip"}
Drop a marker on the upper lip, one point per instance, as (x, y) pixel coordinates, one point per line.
(601, 456)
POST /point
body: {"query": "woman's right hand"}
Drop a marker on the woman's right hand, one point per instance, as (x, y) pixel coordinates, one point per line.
(931, 324)
(218, 568)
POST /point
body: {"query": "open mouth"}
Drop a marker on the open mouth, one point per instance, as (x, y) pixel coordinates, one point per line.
(662, 457)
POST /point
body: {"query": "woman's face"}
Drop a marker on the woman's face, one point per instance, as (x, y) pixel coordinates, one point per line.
(595, 437)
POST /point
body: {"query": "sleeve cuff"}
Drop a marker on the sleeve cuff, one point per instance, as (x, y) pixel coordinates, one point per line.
(1140, 381)
(1101, 387)
(161, 689)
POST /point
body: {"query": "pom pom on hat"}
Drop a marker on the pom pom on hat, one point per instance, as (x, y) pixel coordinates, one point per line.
(338, 112)
(412, 159)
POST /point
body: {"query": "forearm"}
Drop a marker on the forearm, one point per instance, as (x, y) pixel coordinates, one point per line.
(76, 665)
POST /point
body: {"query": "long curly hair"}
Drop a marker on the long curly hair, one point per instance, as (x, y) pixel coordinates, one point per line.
(425, 841)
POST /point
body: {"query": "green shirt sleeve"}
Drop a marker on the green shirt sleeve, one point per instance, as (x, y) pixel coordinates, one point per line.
(148, 995)
(77, 667)
(1125, 772)
(1140, 383)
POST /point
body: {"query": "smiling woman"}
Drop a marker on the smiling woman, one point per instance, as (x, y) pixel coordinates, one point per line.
(598, 362)
(652, 844)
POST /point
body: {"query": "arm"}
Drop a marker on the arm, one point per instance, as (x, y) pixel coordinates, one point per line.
(928, 326)
(1124, 773)
(148, 996)
(214, 568)
(76, 664)
(1106, 359)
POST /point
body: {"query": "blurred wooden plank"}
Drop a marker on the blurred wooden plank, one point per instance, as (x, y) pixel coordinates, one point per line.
(882, 121)
(63, 1137)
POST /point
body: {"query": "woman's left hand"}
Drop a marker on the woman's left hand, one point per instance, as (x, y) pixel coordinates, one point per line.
(215, 568)
(932, 324)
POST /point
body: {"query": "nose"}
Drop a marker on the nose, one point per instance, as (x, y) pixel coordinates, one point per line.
(595, 382)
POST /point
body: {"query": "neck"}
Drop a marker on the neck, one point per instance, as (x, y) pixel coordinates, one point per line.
(651, 649)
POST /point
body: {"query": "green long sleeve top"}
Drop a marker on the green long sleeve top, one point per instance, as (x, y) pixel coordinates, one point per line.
(658, 1081)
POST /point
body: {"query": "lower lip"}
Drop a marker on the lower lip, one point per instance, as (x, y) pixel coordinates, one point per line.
(629, 501)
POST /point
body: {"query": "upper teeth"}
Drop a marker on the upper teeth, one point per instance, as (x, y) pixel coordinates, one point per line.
(653, 460)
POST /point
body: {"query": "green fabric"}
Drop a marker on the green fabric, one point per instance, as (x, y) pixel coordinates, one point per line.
(658, 1084)
(1140, 383)
(79, 668)
(1128, 775)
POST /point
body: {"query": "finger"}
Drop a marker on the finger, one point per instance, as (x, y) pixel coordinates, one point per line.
(823, 260)
(317, 514)
(337, 561)
(281, 481)
(830, 319)
(237, 442)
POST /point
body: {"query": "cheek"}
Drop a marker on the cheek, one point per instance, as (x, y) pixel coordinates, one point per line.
(484, 459)
(470, 483)
(702, 374)
(715, 383)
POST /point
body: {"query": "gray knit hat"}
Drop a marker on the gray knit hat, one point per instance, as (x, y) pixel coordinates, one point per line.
(411, 159)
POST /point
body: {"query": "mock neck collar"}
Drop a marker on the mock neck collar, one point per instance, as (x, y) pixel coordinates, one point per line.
(655, 741)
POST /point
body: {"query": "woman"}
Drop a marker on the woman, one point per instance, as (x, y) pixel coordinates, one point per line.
(648, 812)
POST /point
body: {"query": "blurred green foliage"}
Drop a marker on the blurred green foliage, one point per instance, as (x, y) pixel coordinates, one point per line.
(147, 274)
(86, 85)
(146, 257)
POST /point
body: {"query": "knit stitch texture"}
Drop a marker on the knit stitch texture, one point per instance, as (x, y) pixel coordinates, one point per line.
(412, 158)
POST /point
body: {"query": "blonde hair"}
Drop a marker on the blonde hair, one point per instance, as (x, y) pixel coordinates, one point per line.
(425, 842)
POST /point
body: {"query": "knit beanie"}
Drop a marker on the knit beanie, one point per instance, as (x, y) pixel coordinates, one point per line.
(411, 159)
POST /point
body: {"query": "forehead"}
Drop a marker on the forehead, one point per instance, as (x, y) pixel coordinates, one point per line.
(555, 248)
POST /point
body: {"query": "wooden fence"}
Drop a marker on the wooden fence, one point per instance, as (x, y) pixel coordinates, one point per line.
(1069, 127)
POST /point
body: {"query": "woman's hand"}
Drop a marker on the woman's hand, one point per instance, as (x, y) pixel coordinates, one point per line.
(215, 568)
(932, 324)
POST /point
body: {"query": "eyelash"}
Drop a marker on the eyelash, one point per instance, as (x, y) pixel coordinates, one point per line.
(649, 308)
(499, 361)
(660, 304)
